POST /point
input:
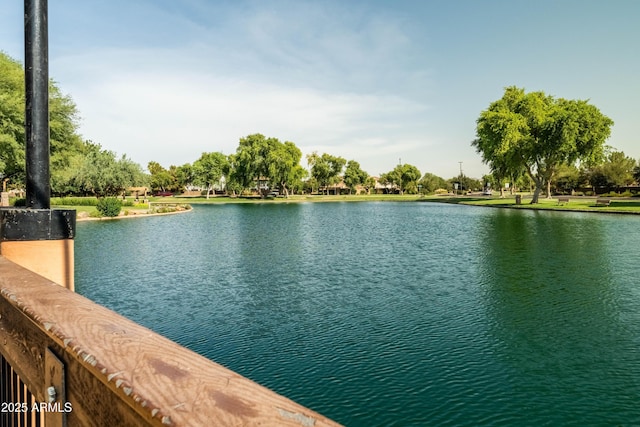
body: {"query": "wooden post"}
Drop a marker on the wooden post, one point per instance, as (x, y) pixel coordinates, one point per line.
(40, 240)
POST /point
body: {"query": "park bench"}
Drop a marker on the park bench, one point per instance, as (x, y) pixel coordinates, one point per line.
(603, 202)
(563, 199)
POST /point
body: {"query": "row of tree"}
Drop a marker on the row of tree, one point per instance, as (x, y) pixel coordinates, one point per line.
(524, 137)
(264, 164)
(615, 173)
(261, 163)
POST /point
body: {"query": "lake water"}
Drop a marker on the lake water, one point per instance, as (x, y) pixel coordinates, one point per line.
(383, 314)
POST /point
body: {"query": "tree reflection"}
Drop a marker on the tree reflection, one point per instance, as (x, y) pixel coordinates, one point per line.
(553, 306)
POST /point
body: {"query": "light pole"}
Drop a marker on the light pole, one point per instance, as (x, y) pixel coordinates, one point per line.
(37, 237)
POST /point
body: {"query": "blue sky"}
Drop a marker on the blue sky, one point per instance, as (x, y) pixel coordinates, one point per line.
(374, 81)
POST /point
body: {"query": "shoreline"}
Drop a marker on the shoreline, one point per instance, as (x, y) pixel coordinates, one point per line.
(131, 215)
(549, 206)
(551, 209)
(621, 206)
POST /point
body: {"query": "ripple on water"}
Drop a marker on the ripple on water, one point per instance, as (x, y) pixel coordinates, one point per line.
(392, 314)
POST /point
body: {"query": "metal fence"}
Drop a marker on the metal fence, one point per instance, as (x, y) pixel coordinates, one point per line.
(19, 405)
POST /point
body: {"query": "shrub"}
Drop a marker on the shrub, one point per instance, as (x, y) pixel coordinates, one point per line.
(74, 201)
(627, 193)
(81, 201)
(109, 206)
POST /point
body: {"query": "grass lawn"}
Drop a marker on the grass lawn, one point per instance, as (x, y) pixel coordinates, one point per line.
(85, 208)
(580, 204)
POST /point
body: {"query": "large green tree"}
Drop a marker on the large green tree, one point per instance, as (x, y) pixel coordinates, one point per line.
(11, 119)
(405, 177)
(567, 178)
(284, 169)
(209, 169)
(431, 183)
(250, 164)
(259, 160)
(636, 173)
(538, 133)
(354, 175)
(102, 174)
(65, 143)
(184, 175)
(161, 179)
(326, 168)
(615, 171)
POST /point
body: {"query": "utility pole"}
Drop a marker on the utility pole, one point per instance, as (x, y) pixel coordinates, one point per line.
(460, 179)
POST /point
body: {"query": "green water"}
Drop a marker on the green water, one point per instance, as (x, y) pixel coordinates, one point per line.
(392, 313)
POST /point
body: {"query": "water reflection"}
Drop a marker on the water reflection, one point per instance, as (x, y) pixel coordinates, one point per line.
(391, 313)
(273, 259)
(553, 307)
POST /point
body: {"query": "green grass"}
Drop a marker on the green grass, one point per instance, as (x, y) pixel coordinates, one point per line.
(580, 204)
(88, 205)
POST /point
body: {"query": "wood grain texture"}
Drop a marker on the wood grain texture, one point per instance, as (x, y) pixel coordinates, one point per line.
(120, 373)
(54, 376)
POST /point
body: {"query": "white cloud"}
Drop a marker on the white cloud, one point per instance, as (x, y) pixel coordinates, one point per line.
(327, 77)
(167, 114)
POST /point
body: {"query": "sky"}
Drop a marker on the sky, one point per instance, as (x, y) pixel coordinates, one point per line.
(379, 82)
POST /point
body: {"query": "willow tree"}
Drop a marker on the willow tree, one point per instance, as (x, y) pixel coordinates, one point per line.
(284, 168)
(249, 162)
(259, 159)
(538, 133)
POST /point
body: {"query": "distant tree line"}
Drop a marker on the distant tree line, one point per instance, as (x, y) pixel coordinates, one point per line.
(526, 139)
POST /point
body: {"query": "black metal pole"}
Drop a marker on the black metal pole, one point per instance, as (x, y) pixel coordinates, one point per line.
(38, 222)
(36, 47)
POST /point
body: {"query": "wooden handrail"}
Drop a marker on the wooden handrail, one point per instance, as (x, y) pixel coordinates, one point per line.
(117, 372)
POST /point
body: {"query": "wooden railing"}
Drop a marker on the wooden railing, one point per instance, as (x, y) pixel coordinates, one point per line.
(76, 363)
